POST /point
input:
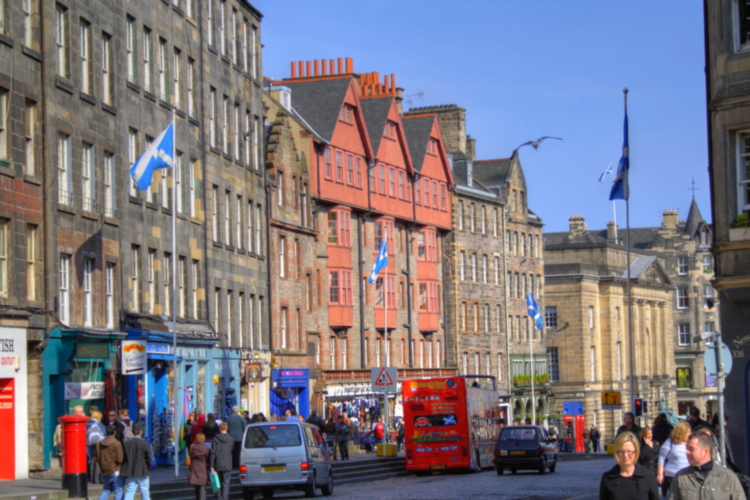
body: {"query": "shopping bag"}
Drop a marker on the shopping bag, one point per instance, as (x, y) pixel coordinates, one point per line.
(214, 480)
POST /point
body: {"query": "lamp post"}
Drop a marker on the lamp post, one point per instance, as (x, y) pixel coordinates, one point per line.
(715, 337)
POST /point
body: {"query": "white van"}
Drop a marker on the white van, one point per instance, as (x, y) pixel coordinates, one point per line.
(284, 455)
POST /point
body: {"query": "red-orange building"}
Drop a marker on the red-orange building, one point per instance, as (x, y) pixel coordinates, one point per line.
(378, 176)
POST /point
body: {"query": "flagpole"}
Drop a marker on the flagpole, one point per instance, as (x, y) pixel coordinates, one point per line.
(531, 353)
(174, 298)
(614, 207)
(627, 254)
(385, 317)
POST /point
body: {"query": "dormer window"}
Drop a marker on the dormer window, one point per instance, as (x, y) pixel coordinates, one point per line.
(390, 129)
(432, 146)
(346, 113)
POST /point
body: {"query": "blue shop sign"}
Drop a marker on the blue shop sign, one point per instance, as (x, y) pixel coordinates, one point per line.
(158, 348)
(573, 407)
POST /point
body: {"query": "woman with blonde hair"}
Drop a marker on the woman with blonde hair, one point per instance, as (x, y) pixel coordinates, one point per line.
(672, 456)
(198, 473)
(628, 479)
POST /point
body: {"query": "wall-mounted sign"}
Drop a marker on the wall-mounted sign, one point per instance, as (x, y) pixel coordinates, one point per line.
(253, 372)
(158, 348)
(92, 350)
(84, 390)
(134, 357)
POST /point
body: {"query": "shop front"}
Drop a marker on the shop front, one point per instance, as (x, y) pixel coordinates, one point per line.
(358, 400)
(80, 367)
(14, 404)
(290, 391)
(256, 366)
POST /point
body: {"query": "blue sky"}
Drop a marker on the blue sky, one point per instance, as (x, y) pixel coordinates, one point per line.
(525, 69)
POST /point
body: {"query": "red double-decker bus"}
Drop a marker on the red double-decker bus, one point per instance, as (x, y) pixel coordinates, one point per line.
(450, 423)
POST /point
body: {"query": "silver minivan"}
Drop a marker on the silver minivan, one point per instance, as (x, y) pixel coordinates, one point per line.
(284, 455)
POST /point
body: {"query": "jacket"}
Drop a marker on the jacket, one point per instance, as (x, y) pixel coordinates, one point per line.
(109, 455)
(342, 432)
(649, 457)
(719, 484)
(220, 458)
(237, 426)
(662, 431)
(635, 430)
(316, 420)
(611, 486)
(198, 473)
(137, 458)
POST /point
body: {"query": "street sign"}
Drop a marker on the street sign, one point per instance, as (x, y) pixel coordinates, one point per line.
(384, 379)
(611, 400)
(709, 359)
(573, 407)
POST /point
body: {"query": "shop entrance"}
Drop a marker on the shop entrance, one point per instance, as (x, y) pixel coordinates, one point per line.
(8, 424)
(160, 410)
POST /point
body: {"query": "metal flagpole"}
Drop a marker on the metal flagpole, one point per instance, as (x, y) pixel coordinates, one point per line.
(531, 353)
(627, 250)
(175, 377)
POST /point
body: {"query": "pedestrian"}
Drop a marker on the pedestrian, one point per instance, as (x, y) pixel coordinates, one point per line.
(198, 472)
(727, 442)
(342, 435)
(200, 421)
(187, 429)
(316, 420)
(124, 425)
(220, 459)
(595, 438)
(246, 416)
(704, 480)
(695, 420)
(331, 439)
(379, 427)
(628, 424)
(649, 455)
(587, 440)
(110, 456)
(672, 456)
(137, 465)
(95, 432)
(210, 429)
(237, 425)
(662, 428)
(628, 480)
(400, 433)
(553, 433)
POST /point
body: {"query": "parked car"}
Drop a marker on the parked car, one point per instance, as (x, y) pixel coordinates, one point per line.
(525, 447)
(284, 455)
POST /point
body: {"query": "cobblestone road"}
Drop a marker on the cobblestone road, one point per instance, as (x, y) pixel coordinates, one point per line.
(573, 480)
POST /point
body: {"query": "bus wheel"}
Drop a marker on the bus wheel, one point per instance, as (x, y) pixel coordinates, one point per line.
(499, 471)
(422, 473)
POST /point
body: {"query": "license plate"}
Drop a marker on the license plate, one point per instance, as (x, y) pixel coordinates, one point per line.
(274, 468)
(437, 466)
(517, 452)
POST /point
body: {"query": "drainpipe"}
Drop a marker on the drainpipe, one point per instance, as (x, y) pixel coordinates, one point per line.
(204, 160)
(409, 289)
(361, 265)
(505, 296)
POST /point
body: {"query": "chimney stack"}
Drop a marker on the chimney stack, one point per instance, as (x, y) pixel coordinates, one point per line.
(670, 219)
(577, 224)
(611, 231)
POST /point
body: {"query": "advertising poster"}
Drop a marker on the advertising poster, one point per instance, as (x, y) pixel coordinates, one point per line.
(134, 357)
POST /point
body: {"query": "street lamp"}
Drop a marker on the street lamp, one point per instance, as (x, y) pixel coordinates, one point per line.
(715, 337)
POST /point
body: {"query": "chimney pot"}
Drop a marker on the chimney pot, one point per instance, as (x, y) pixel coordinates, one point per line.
(317, 67)
(393, 83)
(324, 66)
(349, 65)
(301, 65)
(333, 67)
(340, 66)
(294, 70)
(309, 68)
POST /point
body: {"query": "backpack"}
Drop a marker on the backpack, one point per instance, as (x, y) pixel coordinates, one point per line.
(379, 430)
(127, 431)
(94, 434)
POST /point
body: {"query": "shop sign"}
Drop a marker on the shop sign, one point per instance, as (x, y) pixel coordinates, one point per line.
(92, 350)
(12, 352)
(192, 352)
(253, 372)
(134, 357)
(260, 358)
(158, 348)
(348, 390)
(223, 365)
(84, 390)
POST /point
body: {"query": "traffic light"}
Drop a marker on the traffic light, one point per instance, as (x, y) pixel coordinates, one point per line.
(638, 405)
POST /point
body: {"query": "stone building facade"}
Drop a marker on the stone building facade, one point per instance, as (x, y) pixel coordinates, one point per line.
(586, 316)
(728, 103)
(87, 102)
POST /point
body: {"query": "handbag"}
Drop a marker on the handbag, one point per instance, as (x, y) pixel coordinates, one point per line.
(213, 478)
(188, 461)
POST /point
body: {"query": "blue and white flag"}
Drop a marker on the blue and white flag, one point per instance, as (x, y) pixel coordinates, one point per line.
(534, 312)
(620, 187)
(157, 155)
(607, 170)
(380, 262)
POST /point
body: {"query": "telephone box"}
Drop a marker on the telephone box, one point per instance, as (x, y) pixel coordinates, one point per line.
(576, 424)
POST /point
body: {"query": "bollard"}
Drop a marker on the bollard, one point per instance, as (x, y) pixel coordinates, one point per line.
(74, 477)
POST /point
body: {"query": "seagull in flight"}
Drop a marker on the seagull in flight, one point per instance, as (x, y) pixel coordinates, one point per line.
(535, 144)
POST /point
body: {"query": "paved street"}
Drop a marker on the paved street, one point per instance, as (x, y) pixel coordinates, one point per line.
(577, 480)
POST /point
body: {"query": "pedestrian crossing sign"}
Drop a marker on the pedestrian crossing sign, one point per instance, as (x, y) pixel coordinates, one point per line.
(383, 379)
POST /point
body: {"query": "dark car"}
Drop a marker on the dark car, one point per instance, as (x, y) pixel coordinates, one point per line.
(525, 447)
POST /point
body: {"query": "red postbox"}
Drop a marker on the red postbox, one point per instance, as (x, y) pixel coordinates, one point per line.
(74, 477)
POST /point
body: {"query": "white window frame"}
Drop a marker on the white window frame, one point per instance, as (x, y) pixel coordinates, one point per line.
(708, 265)
(87, 61)
(110, 199)
(683, 334)
(131, 48)
(64, 169)
(107, 73)
(61, 40)
(88, 306)
(109, 295)
(63, 310)
(88, 177)
(683, 293)
(682, 265)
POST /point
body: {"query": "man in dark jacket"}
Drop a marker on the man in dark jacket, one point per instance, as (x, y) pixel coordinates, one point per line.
(594, 436)
(137, 464)
(695, 420)
(237, 425)
(109, 456)
(220, 460)
(316, 420)
(342, 435)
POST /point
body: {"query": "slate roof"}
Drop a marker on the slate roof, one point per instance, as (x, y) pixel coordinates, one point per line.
(319, 102)
(639, 265)
(641, 238)
(376, 111)
(460, 177)
(492, 172)
(417, 131)
(694, 219)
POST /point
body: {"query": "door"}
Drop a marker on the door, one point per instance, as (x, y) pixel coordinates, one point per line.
(8, 424)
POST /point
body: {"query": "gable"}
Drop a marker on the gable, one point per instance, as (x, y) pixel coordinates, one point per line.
(350, 129)
(436, 166)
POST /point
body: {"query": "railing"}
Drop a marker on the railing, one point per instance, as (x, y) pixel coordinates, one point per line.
(89, 204)
(334, 376)
(65, 197)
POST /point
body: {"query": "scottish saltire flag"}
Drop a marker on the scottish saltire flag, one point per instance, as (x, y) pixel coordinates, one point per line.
(534, 312)
(157, 155)
(620, 188)
(607, 170)
(380, 262)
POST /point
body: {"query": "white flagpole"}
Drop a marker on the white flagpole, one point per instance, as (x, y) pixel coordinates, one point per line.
(531, 353)
(175, 439)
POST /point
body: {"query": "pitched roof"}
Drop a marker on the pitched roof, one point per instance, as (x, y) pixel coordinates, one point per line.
(492, 172)
(376, 111)
(694, 219)
(319, 102)
(417, 131)
(641, 238)
(639, 265)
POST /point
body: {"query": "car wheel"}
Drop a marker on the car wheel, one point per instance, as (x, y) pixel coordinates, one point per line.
(248, 494)
(553, 467)
(310, 488)
(499, 471)
(327, 488)
(513, 471)
(267, 493)
(542, 469)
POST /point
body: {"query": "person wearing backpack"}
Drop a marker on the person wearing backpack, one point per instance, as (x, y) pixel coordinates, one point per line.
(137, 464)
(124, 426)
(95, 432)
(379, 428)
(400, 434)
